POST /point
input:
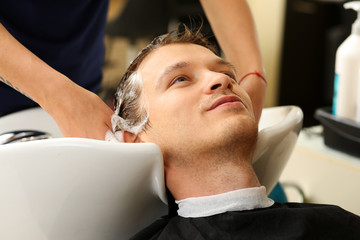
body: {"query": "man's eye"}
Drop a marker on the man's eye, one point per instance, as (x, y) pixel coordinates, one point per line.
(178, 80)
(232, 76)
(229, 75)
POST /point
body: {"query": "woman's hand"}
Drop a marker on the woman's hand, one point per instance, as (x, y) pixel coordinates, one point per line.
(79, 112)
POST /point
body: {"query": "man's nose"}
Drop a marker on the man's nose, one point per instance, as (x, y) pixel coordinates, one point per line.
(219, 81)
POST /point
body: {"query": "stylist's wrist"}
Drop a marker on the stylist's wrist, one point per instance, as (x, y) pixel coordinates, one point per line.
(56, 96)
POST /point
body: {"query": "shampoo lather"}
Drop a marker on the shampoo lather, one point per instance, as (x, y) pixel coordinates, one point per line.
(347, 72)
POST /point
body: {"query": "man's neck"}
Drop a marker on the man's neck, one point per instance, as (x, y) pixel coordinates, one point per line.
(210, 176)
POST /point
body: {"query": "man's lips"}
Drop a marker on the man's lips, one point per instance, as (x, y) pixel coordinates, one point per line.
(224, 100)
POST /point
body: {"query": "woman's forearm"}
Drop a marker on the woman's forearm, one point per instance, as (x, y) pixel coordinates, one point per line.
(25, 72)
(77, 111)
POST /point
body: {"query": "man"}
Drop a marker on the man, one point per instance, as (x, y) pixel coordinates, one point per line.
(178, 94)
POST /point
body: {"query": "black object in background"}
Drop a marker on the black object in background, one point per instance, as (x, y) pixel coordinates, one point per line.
(313, 31)
(339, 133)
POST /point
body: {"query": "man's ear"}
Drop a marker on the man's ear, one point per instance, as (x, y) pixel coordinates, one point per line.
(130, 137)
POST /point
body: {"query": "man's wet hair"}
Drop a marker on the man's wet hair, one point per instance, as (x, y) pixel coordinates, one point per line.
(130, 106)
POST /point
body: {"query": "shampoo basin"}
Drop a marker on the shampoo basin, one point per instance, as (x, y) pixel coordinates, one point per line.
(77, 189)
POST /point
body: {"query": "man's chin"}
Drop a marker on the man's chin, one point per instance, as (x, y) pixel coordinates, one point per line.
(234, 132)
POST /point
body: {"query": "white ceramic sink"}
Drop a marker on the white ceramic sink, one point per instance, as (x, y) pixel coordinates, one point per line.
(279, 128)
(77, 189)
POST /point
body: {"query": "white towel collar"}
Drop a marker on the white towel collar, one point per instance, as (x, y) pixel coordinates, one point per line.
(238, 200)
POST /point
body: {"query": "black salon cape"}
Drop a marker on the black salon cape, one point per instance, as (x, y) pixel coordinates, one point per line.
(280, 221)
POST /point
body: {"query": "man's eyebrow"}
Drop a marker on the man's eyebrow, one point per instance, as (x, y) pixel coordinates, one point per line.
(168, 70)
(183, 64)
(227, 64)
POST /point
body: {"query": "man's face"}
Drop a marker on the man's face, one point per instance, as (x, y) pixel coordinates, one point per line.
(195, 103)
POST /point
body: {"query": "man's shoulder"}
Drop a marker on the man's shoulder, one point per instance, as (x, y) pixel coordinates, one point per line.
(295, 205)
(282, 221)
(153, 230)
(309, 211)
(310, 207)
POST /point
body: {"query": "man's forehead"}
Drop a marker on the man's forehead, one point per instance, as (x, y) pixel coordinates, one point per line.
(172, 53)
(179, 55)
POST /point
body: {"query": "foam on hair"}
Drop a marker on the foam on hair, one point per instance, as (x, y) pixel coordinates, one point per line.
(132, 106)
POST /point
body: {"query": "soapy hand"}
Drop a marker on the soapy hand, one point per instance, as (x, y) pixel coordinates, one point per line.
(80, 113)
